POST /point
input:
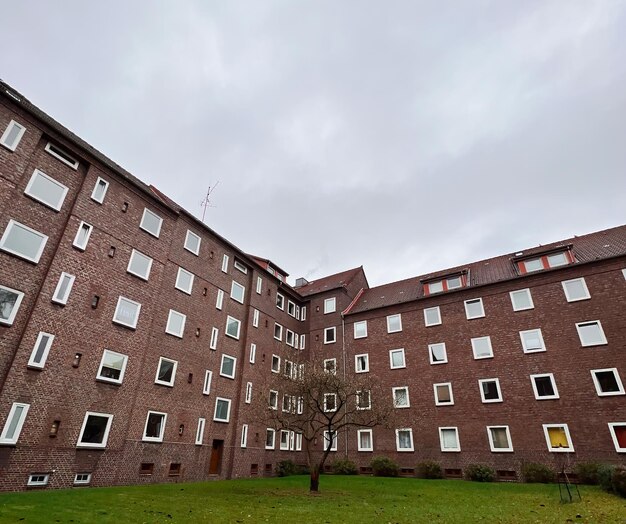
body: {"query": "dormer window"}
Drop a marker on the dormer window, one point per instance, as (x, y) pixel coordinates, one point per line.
(445, 284)
(545, 261)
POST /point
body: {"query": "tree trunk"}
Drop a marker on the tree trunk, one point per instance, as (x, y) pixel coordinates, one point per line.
(315, 479)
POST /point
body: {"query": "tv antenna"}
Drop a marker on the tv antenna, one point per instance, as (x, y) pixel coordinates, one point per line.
(207, 201)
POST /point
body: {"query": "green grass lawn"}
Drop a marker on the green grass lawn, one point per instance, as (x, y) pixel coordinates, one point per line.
(342, 499)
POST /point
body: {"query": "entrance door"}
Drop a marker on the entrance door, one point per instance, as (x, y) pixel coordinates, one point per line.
(216, 457)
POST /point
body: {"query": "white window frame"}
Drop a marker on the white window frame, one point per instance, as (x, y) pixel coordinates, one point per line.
(482, 392)
(248, 398)
(14, 224)
(69, 161)
(236, 285)
(303, 313)
(240, 267)
(208, 378)
(359, 407)
(569, 296)
(132, 325)
(101, 182)
(255, 318)
(275, 360)
(333, 370)
(291, 308)
(244, 435)
(554, 396)
(280, 331)
(56, 206)
(327, 332)
(18, 301)
(280, 301)
(56, 296)
(330, 305)
(302, 341)
(366, 368)
(612, 426)
(469, 303)
(618, 380)
(219, 301)
(80, 481)
(334, 404)
(398, 350)
(268, 432)
(440, 402)
(361, 323)
(494, 449)
(602, 337)
(164, 382)
(139, 254)
(444, 449)
(298, 441)
(38, 479)
(200, 431)
(159, 438)
(527, 294)
(142, 226)
(547, 427)
(410, 432)
(252, 353)
(173, 314)
(272, 399)
(115, 354)
(225, 260)
(431, 356)
(371, 440)
(390, 319)
(18, 138)
(214, 336)
(217, 402)
(524, 341)
(327, 438)
(436, 310)
(230, 320)
(76, 243)
(4, 436)
(192, 235)
(234, 361)
(179, 285)
(290, 337)
(393, 396)
(259, 285)
(474, 342)
(32, 363)
(105, 437)
(284, 440)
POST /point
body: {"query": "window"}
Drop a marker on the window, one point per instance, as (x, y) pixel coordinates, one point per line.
(302, 341)
(544, 386)
(184, 281)
(362, 363)
(443, 394)
(127, 312)
(330, 335)
(284, 439)
(225, 259)
(394, 323)
(490, 390)
(255, 318)
(449, 439)
(404, 439)
(303, 313)
(278, 331)
(298, 441)
(82, 236)
(396, 358)
(330, 305)
(244, 435)
(23, 241)
(139, 265)
(248, 392)
(400, 397)
(46, 190)
(499, 439)
(63, 289)
(330, 366)
(227, 368)
(233, 326)
(437, 353)
(237, 292)
(575, 290)
(289, 369)
(166, 372)
(360, 329)
(40, 350)
(175, 324)
(240, 267)
(291, 308)
(200, 431)
(222, 410)
(532, 341)
(474, 308)
(545, 262)
(214, 334)
(155, 426)
(365, 440)
(37, 479)
(481, 347)
(94, 432)
(618, 434)
(82, 479)
(432, 316)
(289, 338)
(273, 399)
(521, 300)
(259, 285)
(112, 367)
(363, 399)
(14, 422)
(192, 242)
(607, 382)
(219, 302)
(12, 135)
(280, 301)
(330, 402)
(151, 223)
(270, 436)
(591, 333)
(446, 284)
(61, 155)
(275, 364)
(252, 353)
(99, 190)
(330, 440)
(10, 300)
(287, 403)
(558, 438)
(206, 387)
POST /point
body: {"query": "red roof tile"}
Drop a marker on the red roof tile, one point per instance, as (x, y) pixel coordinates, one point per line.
(330, 282)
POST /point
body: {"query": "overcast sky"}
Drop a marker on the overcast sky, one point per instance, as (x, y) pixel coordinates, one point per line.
(404, 136)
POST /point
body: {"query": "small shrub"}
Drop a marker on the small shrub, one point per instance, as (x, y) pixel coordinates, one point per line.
(344, 467)
(587, 472)
(302, 469)
(618, 480)
(429, 470)
(480, 473)
(286, 468)
(384, 467)
(533, 472)
(605, 476)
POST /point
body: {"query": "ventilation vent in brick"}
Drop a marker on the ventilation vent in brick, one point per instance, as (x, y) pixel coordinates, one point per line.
(454, 473)
(506, 474)
(254, 469)
(365, 470)
(174, 469)
(147, 468)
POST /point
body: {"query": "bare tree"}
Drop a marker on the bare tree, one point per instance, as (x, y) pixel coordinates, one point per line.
(319, 403)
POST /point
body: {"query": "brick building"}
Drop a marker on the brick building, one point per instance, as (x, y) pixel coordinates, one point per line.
(516, 358)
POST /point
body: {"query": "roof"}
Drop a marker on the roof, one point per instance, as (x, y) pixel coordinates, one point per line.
(330, 282)
(264, 262)
(587, 248)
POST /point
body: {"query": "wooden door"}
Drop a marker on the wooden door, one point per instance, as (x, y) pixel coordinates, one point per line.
(216, 457)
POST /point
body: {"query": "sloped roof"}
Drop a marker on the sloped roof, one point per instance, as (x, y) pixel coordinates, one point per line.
(330, 282)
(587, 248)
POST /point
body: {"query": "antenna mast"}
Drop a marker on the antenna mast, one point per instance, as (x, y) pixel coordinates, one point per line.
(207, 202)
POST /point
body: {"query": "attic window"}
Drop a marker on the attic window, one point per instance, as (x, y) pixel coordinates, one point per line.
(445, 284)
(61, 155)
(550, 260)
